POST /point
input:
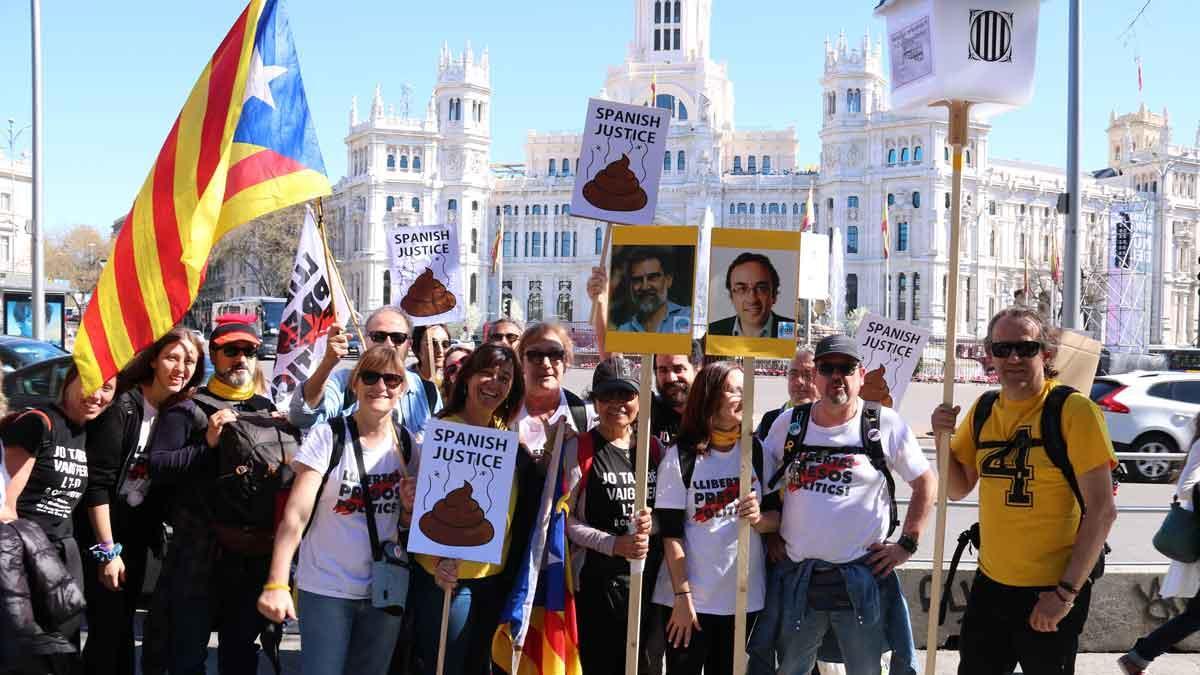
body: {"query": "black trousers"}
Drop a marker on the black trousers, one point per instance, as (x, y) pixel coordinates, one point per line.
(110, 614)
(996, 635)
(602, 615)
(1165, 636)
(711, 649)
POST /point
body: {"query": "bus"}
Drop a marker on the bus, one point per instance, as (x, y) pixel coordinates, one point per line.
(267, 313)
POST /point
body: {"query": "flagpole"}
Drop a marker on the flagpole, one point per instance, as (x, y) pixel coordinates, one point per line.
(500, 271)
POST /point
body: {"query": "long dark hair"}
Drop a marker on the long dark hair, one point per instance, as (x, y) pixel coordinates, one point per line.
(418, 340)
(489, 355)
(140, 370)
(702, 402)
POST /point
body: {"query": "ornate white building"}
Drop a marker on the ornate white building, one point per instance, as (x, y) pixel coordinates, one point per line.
(16, 218)
(437, 167)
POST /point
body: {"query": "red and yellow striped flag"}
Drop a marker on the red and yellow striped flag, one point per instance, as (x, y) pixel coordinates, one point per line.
(243, 146)
(883, 227)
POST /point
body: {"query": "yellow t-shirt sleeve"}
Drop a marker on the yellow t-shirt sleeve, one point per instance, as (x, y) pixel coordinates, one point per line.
(1086, 433)
(962, 443)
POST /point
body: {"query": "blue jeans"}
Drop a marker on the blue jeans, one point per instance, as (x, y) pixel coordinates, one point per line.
(861, 643)
(345, 636)
(475, 610)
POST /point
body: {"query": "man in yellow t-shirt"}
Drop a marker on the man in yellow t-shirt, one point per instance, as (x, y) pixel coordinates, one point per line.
(1030, 597)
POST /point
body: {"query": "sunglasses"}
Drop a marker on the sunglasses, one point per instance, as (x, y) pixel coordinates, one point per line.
(616, 397)
(398, 338)
(1026, 349)
(843, 369)
(536, 356)
(371, 377)
(444, 344)
(510, 338)
(232, 351)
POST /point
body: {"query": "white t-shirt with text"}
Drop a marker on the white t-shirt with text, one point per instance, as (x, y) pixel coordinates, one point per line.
(710, 528)
(533, 434)
(835, 506)
(136, 481)
(335, 557)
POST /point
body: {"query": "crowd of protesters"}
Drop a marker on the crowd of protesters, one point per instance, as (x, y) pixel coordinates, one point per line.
(303, 524)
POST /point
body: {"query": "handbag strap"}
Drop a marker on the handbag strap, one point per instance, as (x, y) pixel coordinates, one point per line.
(372, 531)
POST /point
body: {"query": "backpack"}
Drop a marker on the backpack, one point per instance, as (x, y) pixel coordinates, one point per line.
(578, 411)
(339, 428)
(1055, 445)
(586, 452)
(18, 414)
(254, 454)
(872, 447)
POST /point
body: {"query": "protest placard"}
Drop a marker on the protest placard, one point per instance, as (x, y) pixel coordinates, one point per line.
(814, 266)
(752, 277)
(891, 351)
(463, 487)
(620, 163)
(426, 279)
(651, 289)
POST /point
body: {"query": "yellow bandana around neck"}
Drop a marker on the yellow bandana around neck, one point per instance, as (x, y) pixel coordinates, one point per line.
(724, 439)
(229, 392)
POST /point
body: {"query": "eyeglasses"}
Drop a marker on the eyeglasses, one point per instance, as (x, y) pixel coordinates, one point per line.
(536, 355)
(1026, 349)
(510, 338)
(232, 351)
(763, 289)
(843, 369)
(379, 336)
(371, 378)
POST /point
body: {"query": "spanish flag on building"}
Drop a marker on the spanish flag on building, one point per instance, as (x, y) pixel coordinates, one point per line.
(242, 146)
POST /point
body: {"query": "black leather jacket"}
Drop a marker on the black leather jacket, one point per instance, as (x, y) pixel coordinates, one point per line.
(39, 599)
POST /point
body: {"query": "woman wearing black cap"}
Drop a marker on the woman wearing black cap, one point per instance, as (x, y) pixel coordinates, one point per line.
(602, 525)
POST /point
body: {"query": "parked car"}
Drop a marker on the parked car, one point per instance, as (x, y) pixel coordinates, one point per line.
(36, 384)
(354, 346)
(1149, 412)
(18, 352)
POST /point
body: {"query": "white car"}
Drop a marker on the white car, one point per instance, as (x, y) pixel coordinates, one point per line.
(1150, 412)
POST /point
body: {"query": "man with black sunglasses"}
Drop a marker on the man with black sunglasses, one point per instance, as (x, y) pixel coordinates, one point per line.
(326, 393)
(1041, 457)
(504, 331)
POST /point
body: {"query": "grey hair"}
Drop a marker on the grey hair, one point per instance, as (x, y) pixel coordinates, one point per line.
(387, 309)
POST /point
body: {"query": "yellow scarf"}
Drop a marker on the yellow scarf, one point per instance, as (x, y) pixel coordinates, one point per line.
(724, 439)
(229, 392)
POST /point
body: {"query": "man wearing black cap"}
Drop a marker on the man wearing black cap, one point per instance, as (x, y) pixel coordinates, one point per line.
(832, 461)
(602, 525)
(214, 570)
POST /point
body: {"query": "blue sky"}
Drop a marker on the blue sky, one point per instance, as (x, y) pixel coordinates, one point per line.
(117, 73)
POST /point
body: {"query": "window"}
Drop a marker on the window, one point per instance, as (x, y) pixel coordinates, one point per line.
(763, 209)
(751, 208)
(537, 209)
(852, 239)
(535, 301)
(474, 240)
(795, 208)
(536, 249)
(851, 293)
(1186, 391)
(751, 166)
(387, 287)
(657, 40)
(968, 157)
(1022, 209)
(773, 209)
(474, 206)
(992, 207)
(417, 163)
(564, 308)
(677, 44)
(678, 15)
(766, 164)
(916, 294)
(916, 200)
(891, 199)
(901, 297)
(391, 162)
(680, 162)
(390, 203)
(599, 237)
(565, 244)
(918, 155)
(510, 244)
(657, 12)
(946, 152)
(904, 156)
(852, 202)
(566, 167)
(732, 208)
(667, 161)
(452, 205)
(553, 167)
(669, 102)
(404, 162)
(902, 237)
(566, 209)
(416, 205)
(741, 207)
(947, 200)
(473, 290)
(891, 157)
(992, 243)
(737, 163)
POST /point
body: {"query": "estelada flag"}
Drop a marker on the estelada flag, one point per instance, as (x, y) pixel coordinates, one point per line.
(243, 146)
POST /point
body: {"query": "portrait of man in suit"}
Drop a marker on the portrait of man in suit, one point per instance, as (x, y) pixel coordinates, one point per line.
(753, 286)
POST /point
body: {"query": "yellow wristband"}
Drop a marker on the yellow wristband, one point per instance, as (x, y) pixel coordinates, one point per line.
(276, 587)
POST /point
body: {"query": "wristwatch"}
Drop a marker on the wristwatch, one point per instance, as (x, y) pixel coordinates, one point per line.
(908, 543)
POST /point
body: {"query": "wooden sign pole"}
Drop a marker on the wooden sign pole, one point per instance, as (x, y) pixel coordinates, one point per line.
(743, 527)
(959, 120)
(595, 318)
(441, 658)
(641, 474)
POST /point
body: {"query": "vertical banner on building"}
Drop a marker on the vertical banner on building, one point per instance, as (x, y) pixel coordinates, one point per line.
(312, 307)
(1127, 325)
(426, 278)
(620, 162)
(891, 351)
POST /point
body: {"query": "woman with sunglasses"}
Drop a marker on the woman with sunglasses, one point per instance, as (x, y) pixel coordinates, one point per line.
(546, 352)
(430, 344)
(485, 394)
(698, 510)
(455, 356)
(341, 631)
(606, 537)
(123, 506)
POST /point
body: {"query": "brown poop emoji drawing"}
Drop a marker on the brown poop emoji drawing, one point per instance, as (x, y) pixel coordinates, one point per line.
(615, 188)
(457, 520)
(875, 388)
(427, 296)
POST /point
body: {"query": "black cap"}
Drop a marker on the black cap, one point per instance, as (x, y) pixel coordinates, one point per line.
(612, 375)
(837, 344)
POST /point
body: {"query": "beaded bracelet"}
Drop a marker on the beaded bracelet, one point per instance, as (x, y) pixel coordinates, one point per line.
(105, 554)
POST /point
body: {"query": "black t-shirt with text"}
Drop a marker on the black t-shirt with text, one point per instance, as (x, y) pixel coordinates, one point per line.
(664, 421)
(60, 468)
(610, 497)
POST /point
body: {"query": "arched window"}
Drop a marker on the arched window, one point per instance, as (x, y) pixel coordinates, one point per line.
(390, 203)
(417, 163)
(763, 209)
(556, 209)
(474, 240)
(678, 14)
(387, 287)
(737, 163)
(667, 161)
(901, 299)
(416, 205)
(732, 208)
(566, 209)
(682, 112)
(474, 206)
(474, 288)
(916, 297)
(773, 209)
(902, 236)
(947, 200)
(552, 170)
(916, 200)
(452, 205)
(566, 167)
(766, 164)
(891, 157)
(851, 293)
(741, 207)
(852, 202)
(968, 157)
(666, 102)
(536, 251)
(404, 162)
(391, 162)
(599, 243)
(904, 156)
(891, 199)
(751, 165)
(751, 208)
(852, 239)
(795, 208)
(918, 155)
(946, 152)
(680, 162)
(537, 209)
(657, 12)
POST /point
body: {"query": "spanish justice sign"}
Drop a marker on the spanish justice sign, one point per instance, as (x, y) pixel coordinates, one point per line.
(620, 162)
(891, 351)
(464, 482)
(426, 279)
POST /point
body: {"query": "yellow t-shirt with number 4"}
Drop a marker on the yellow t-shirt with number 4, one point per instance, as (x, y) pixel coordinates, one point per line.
(1028, 515)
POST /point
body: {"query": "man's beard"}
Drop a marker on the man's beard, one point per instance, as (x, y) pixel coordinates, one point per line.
(839, 397)
(675, 393)
(234, 377)
(648, 303)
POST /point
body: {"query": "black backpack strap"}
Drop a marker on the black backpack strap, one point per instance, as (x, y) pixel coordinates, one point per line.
(687, 465)
(578, 411)
(968, 536)
(983, 410)
(795, 441)
(368, 505)
(431, 394)
(1053, 440)
(872, 440)
(337, 425)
